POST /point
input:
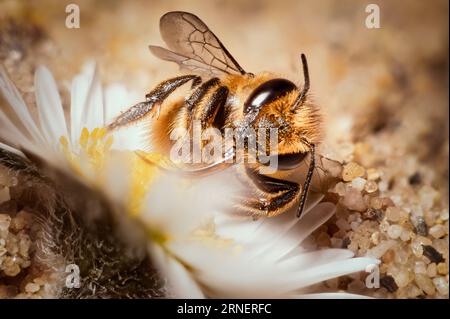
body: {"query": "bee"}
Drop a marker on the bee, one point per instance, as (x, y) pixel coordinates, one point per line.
(223, 94)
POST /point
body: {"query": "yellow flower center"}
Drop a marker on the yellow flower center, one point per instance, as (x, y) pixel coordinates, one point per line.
(93, 149)
(143, 174)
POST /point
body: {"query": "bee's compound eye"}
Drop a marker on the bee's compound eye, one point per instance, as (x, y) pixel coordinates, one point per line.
(290, 161)
(268, 92)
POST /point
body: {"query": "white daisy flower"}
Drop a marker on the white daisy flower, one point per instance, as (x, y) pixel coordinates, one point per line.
(203, 251)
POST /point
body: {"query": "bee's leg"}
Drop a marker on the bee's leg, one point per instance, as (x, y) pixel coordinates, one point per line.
(155, 97)
(193, 103)
(206, 111)
(197, 96)
(272, 197)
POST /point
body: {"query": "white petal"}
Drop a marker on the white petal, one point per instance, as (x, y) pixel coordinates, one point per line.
(78, 95)
(16, 102)
(86, 108)
(134, 137)
(50, 110)
(117, 100)
(327, 271)
(179, 206)
(315, 258)
(246, 230)
(180, 279)
(11, 133)
(241, 228)
(117, 183)
(224, 274)
(294, 237)
(11, 149)
(93, 108)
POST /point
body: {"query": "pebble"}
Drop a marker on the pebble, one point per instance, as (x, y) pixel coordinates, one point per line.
(32, 287)
(354, 200)
(12, 244)
(24, 245)
(356, 217)
(371, 187)
(387, 202)
(355, 225)
(441, 245)
(423, 240)
(359, 183)
(413, 291)
(323, 240)
(343, 224)
(388, 257)
(381, 249)
(420, 267)
(10, 267)
(421, 227)
(431, 270)
(425, 283)
(438, 231)
(444, 215)
(402, 278)
(375, 238)
(417, 249)
(376, 203)
(340, 189)
(373, 174)
(432, 254)
(384, 226)
(406, 235)
(351, 171)
(5, 221)
(334, 168)
(401, 255)
(397, 199)
(389, 283)
(441, 285)
(442, 268)
(21, 220)
(394, 231)
(394, 214)
(373, 214)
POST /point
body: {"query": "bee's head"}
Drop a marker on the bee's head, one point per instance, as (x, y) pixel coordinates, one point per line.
(279, 103)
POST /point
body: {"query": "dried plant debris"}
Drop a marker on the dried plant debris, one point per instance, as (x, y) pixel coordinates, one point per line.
(42, 231)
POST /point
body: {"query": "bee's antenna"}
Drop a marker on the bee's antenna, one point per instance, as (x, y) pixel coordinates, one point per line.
(307, 182)
(302, 95)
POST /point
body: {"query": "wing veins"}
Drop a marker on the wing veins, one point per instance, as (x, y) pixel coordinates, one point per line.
(201, 52)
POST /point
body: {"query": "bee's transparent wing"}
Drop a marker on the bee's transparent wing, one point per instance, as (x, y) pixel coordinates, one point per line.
(193, 46)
